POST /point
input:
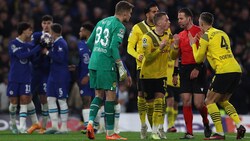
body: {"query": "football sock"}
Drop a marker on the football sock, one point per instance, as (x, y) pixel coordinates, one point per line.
(23, 115)
(161, 122)
(53, 112)
(117, 118)
(94, 107)
(216, 117)
(175, 114)
(102, 117)
(32, 112)
(142, 109)
(85, 115)
(12, 110)
(157, 115)
(170, 115)
(150, 111)
(109, 113)
(99, 120)
(64, 111)
(188, 117)
(230, 110)
(203, 113)
(45, 115)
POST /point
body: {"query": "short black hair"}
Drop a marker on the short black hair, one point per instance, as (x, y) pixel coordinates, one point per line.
(207, 18)
(88, 26)
(150, 5)
(23, 26)
(186, 11)
(47, 18)
(57, 28)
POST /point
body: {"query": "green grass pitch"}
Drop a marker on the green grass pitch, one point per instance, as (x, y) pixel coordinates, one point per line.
(77, 136)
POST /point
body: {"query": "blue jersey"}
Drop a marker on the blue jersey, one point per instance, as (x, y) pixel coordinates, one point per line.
(20, 53)
(84, 56)
(40, 62)
(59, 61)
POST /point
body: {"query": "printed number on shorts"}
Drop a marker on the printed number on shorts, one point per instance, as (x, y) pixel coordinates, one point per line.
(27, 89)
(60, 92)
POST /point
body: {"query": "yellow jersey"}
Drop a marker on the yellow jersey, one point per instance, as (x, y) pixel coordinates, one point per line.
(135, 40)
(154, 61)
(170, 71)
(215, 44)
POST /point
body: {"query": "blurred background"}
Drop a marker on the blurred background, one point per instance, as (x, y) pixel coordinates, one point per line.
(232, 16)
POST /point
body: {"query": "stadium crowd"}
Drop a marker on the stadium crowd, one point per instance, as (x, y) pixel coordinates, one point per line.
(232, 16)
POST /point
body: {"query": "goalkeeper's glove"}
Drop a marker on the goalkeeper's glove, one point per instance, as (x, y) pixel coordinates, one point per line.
(122, 70)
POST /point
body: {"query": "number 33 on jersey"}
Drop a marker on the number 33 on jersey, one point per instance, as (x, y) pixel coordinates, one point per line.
(104, 43)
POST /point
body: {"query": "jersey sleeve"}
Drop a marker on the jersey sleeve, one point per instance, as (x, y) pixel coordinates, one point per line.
(85, 61)
(200, 52)
(132, 41)
(147, 45)
(35, 38)
(18, 51)
(117, 38)
(58, 53)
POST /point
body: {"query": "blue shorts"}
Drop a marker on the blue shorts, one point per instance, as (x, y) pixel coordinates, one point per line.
(85, 90)
(15, 89)
(39, 85)
(59, 90)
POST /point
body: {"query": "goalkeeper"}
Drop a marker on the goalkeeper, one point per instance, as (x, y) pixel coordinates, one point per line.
(104, 44)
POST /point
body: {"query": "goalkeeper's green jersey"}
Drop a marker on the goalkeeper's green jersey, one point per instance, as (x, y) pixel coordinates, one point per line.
(104, 43)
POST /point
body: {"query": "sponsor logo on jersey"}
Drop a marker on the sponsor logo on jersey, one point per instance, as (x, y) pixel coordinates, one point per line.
(121, 33)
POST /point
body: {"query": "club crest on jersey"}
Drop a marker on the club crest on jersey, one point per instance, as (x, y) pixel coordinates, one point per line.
(14, 48)
(144, 42)
(85, 58)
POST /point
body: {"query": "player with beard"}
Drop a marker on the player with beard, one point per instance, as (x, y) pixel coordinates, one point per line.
(192, 75)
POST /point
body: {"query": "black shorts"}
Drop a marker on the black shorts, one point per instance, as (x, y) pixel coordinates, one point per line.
(197, 85)
(173, 92)
(151, 86)
(139, 81)
(225, 83)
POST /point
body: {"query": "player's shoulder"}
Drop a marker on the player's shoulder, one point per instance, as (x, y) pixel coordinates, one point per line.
(196, 27)
(148, 36)
(82, 44)
(37, 34)
(181, 33)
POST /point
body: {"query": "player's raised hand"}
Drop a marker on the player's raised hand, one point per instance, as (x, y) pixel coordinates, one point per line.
(176, 39)
(193, 40)
(163, 44)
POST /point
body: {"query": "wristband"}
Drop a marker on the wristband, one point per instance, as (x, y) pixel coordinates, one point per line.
(47, 53)
(176, 71)
(199, 67)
